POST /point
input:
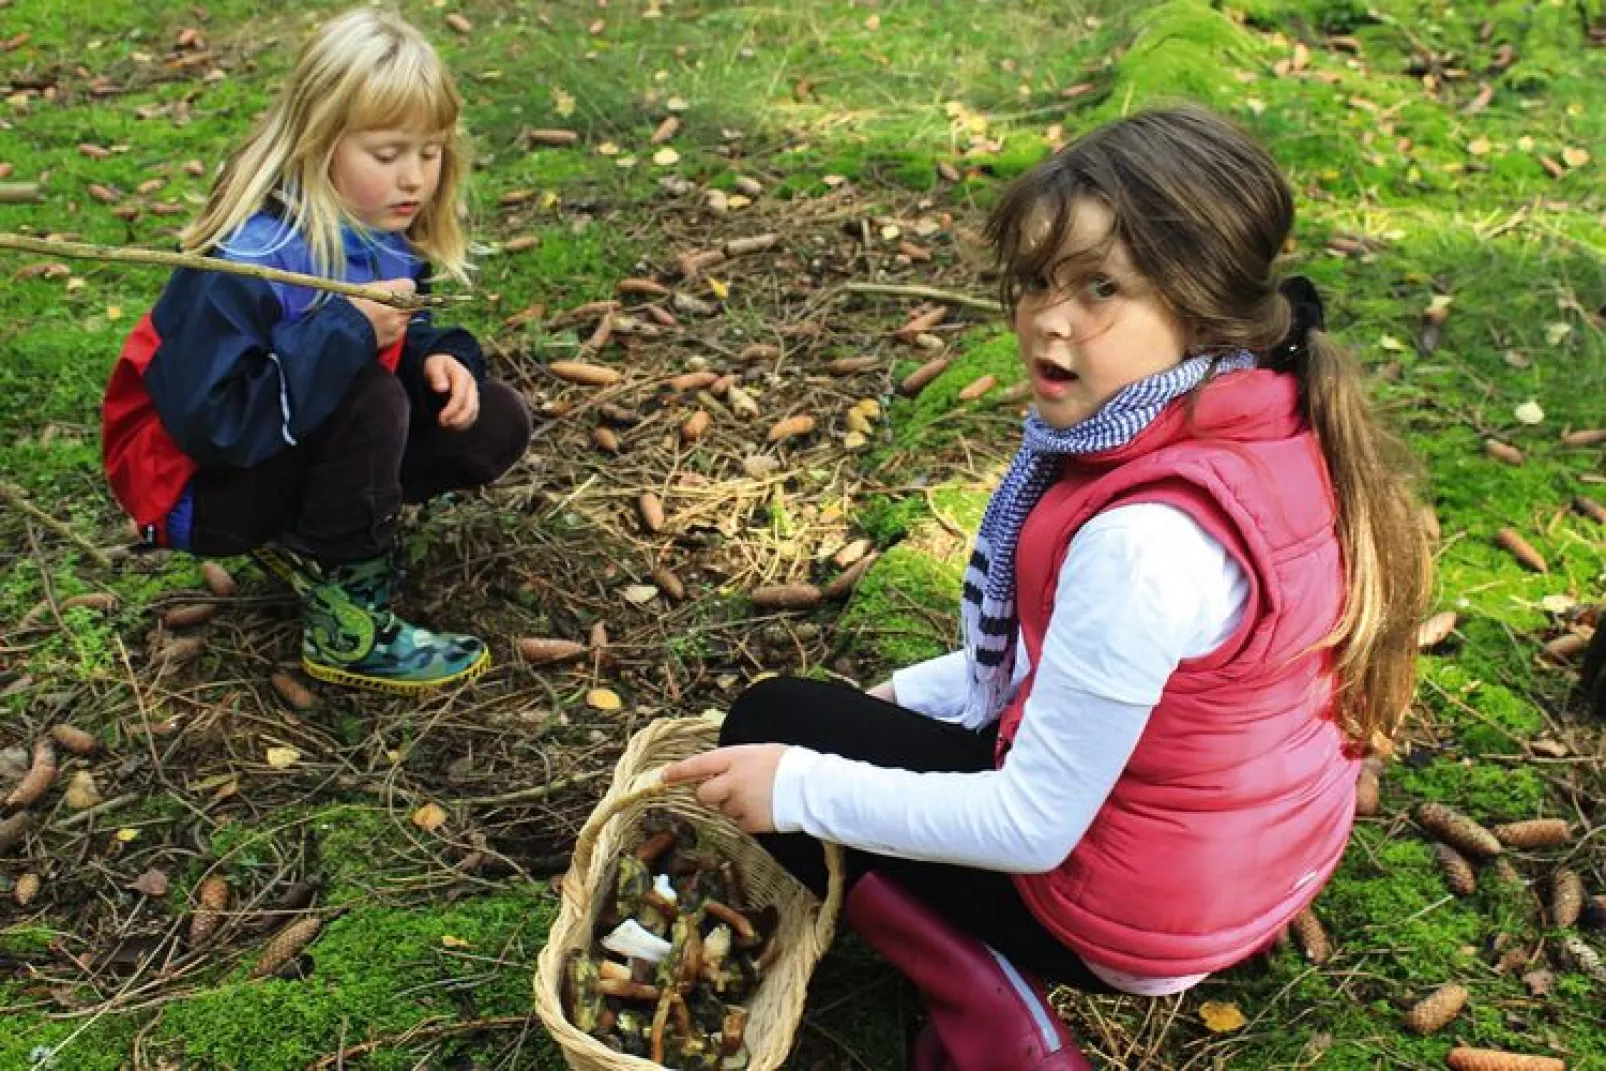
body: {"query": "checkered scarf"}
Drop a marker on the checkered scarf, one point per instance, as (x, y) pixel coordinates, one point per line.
(987, 609)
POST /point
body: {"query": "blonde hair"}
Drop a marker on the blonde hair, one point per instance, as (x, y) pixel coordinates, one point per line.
(1204, 212)
(363, 70)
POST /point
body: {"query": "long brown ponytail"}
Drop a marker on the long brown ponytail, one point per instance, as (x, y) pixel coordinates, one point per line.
(1387, 564)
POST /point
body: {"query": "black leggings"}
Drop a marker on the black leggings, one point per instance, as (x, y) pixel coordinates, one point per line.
(836, 719)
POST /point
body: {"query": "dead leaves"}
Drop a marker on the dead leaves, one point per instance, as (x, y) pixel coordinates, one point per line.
(1220, 1017)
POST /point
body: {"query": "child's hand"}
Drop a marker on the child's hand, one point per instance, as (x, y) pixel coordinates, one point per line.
(737, 781)
(446, 375)
(390, 323)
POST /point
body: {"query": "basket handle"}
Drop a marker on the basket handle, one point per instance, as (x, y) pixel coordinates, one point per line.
(585, 844)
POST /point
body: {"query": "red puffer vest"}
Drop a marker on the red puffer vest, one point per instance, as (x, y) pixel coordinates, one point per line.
(1237, 804)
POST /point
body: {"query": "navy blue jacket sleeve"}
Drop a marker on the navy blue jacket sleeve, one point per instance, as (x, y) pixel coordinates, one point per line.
(424, 338)
(234, 382)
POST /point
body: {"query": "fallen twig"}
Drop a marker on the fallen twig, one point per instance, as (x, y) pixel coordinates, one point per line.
(502, 1022)
(165, 259)
(929, 292)
(15, 495)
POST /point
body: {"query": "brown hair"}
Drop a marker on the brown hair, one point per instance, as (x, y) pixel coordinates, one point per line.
(1203, 212)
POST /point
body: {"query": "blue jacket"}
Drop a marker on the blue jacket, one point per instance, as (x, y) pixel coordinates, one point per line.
(227, 370)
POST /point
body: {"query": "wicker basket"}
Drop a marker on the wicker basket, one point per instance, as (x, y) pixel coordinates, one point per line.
(805, 925)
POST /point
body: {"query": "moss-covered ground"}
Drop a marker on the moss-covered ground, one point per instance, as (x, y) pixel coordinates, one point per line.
(1439, 151)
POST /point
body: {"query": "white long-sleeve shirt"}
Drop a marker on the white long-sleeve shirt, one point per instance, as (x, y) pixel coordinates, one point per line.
(1142, 588)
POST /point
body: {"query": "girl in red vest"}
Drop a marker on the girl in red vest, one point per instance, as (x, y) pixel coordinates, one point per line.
(1188, 615)
(247, 415)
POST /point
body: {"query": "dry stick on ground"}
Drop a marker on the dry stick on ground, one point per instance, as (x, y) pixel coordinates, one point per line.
(418, 1033)
(14, 494)
(930, 292)
(165, 259)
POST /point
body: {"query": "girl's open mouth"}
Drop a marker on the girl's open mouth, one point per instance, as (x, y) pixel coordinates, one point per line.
(1050, 381)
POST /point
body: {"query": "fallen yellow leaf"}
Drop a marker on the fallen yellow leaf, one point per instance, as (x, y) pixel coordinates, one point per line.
(604, 699)
(281, 757)
(1479, 147)
(429, 817)
(1220, 1017)
(448, 941)
(665, 156)
(721, 290)
(127, 834)
(1575, 157)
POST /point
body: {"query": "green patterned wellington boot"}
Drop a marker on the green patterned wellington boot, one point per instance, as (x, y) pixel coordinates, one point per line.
(349, 637)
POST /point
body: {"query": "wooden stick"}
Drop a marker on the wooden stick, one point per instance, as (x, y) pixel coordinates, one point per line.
(14, 494)
(163, 258)
(17, 193)
(947, 297)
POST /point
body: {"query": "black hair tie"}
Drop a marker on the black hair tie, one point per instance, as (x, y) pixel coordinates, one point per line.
(1306, 305)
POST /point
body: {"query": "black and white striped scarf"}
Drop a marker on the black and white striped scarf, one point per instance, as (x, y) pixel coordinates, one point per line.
(987, 608)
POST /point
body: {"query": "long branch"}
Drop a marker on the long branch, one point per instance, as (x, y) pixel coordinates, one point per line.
(16, 496)
(163, 258)
(947, 297)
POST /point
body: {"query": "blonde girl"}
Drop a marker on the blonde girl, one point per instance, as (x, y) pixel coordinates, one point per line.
(248, 416)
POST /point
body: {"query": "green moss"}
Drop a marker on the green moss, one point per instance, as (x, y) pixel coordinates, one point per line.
(377, 971)
(21, 938)
(1181, 50)
(904, 609)
(1486, 791)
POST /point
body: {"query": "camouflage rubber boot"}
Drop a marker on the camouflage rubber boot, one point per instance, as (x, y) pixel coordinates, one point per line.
(346, 641)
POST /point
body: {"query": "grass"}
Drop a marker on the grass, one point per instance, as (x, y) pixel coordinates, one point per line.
(1452, 201)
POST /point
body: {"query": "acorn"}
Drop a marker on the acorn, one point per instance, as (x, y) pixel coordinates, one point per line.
(1312, 937)
(1534, 833)
(1458, 831)
(1458, 874)
(1566, 898)
(1434, 1011)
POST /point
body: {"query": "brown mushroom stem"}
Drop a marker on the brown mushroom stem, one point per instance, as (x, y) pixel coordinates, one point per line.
(732, 1029)
(627, 990)
(660, 1019)
(651, 849)
(738, 922)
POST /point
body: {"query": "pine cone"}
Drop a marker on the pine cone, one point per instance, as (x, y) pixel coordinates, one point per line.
(1583, 958)
(1566, 898)
(1465, 1059)
(1368, 789)
(1458, 831)
(1434, 1012)
(1458, 873)
(213, 894)
(1311, 937)
(1536, 833)
(286, 946)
